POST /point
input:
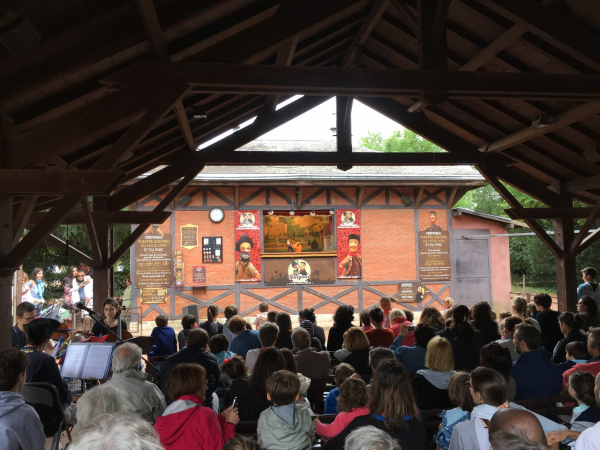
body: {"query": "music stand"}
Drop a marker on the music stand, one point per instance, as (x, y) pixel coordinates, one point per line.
(144, 342)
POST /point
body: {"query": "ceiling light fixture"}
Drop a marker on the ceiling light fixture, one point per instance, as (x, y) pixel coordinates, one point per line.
(197, 112)
(292, 210)
(542, 121)
(332, 210)
(271, 212)
(313, 212)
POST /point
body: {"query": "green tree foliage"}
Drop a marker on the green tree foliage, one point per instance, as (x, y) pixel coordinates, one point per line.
(399, 142)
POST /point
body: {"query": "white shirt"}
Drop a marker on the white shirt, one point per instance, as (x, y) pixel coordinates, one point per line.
(251, 358)
(589, 439)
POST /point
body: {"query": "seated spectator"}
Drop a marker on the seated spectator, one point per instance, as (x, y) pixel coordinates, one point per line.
(188, 322)
(465, 339)
(269, 361)
(244, 339)
(409, 315)
(284, 338)
(398, 318)
(106, 399)
(356, 342)
(535, 375)
(117, 432)
(211, 325)
(319, 333)
(249, 404)
(379, 336)
(460, 396)
(493, 356)
(519, 422)
(272, 316)
(379, 354)
(393, 410)
(196, 352)
(503, 315)
(430, 386)
(488, 390)
(25, 313)
(571, 326)
(342, 372)
(285, 425)
(519, 308)
(413, 358)
(577, 353)
(448, 304)
(352, 401)
(365, 321)
(309, 362)
(147, 399)
(268, 335)
(586, 414)
(263, 315)
(342, 321)
(588, 440)
(219, 346)
(507, 328)
(290, 365)
(166, 342)
(20, 426)
(385, 304)
(590, 284)
(504, 440)
(593, 364)
(548, 320)
(370, 437)
(484, 322)
(588, 309)
(239, 442)
(187, 422)
(432, 317)
(230, 311)
(531, 310)
(308, 326)
(42, 367)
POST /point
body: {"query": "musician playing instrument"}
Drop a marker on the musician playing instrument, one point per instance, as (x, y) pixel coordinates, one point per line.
(112, 317)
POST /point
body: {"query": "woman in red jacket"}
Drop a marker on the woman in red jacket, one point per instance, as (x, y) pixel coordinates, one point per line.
(186, 423)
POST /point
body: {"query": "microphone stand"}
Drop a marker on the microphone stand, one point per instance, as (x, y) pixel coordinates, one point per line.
(118, 338)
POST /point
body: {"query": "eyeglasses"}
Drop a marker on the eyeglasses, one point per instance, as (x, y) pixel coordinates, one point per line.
(468, 385)
(27, 319)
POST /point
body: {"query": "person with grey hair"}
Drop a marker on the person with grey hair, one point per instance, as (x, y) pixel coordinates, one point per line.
(370, 438)
(147, 398)
(267, 334)
(105, 399)
(310, 363)
(117, 432)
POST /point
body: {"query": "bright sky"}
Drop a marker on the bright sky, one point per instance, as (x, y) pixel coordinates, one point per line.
(315, 124)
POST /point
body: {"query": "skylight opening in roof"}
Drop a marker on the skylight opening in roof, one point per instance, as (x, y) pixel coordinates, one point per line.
(288, 101)
(227, 133)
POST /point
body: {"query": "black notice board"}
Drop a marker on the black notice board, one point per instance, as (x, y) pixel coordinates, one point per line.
(212, 250)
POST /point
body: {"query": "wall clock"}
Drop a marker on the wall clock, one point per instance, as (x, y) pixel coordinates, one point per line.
(216, 215)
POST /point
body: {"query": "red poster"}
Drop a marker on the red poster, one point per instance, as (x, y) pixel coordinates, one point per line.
(348, 243)
(247, 246)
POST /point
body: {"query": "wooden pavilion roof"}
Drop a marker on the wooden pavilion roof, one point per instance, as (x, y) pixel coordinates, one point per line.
(510, 86)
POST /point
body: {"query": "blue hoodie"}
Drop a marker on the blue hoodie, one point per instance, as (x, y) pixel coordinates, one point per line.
(20, 426)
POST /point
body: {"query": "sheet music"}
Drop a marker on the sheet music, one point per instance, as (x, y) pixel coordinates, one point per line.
(74, 360)
(98, 361)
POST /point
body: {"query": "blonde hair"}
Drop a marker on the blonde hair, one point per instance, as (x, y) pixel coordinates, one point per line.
(519, 304)
(355, 339)
(395, 313)
(439, 356)
(448, 301)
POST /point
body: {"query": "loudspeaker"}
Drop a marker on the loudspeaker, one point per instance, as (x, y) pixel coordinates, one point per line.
(191, 310)
(19, 36)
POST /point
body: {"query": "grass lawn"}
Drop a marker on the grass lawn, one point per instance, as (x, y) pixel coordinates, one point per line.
(534, 288)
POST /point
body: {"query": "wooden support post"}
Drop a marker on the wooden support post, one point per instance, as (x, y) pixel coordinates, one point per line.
(566, 286)
(344, 128)
(101, 268)
(6, 272)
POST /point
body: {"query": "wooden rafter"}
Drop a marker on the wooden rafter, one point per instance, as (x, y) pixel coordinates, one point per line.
(583, 231)
(111, 217)
(93, 235)
(367, 26)
(407, 15)
(22, 216)
(550, 213)
(285, 54)
(74, 253)
(56, 182)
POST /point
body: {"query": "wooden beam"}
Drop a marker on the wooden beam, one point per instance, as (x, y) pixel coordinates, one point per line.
(91, 228)
(285, 54)
(184, 125)
(359, 198)
(407, 15)
(589, 240)
(367, 26)
(530, 186)
(451, 197)
(583, 231)
(419, 196)
(22, 216)
(112, 217)
(264, 79)
(56, 182)
(299, 197)
(248, 158)
(7, 135)
(163, 100)
(550, 213)
(562, 120)
(503, 41)
(584, 184)
(172, 195)
(236, 196)
(343, 124)
(152, 28)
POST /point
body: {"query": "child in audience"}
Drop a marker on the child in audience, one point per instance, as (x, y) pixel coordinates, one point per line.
(166, 342)
(188, 322)
(365, 321)
(353, 398)
(290, 364)
(263, 315)
(577, 353)
(234, 370)
(272, 316)
(285, 425)
(342, 373)
(585, 415)
(461, 396)
(219, 346)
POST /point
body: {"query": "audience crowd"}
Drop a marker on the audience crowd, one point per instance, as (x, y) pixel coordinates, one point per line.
(481, 378)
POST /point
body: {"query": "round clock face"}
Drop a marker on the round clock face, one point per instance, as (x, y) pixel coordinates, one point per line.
(216, 215)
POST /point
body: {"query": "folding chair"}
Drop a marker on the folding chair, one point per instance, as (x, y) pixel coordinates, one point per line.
(44, 398)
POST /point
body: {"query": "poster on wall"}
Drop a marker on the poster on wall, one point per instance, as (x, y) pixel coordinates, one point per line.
(434, 256)
(295, 271)
(298, 234)
(348, 243)
(154, 259)
(247, 246)
(212, 250)
(199, 275)
(154, 295)
(410, 292)
(189, 236)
